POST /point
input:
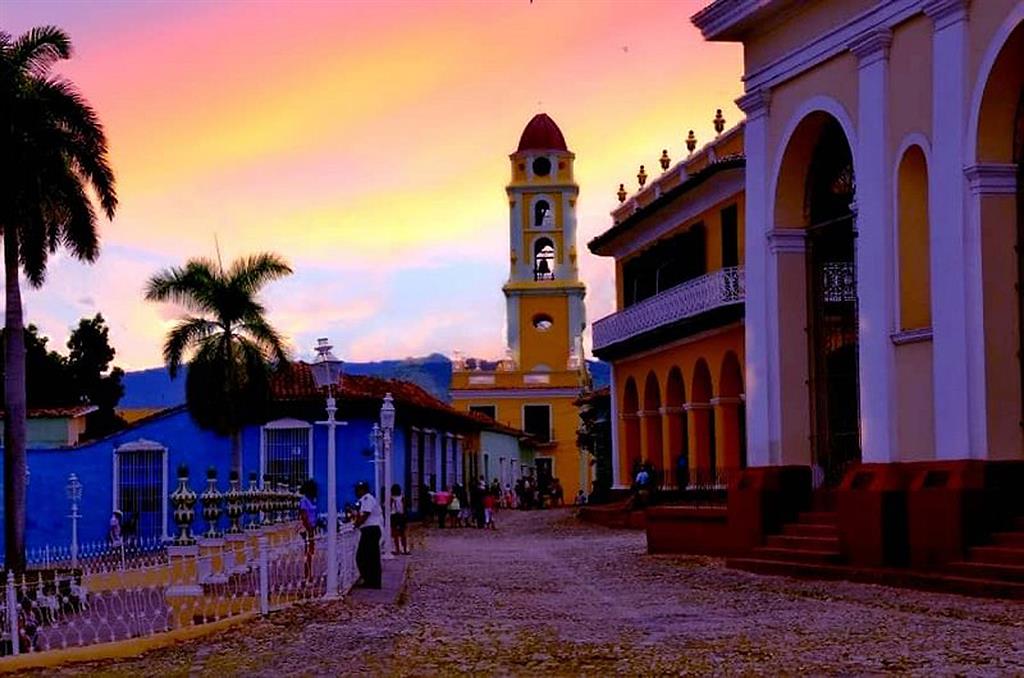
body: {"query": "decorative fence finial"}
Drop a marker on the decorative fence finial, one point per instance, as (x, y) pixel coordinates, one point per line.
(691, 142)
(642, 176)
(664, 159)
(719, 121)
(622, 193)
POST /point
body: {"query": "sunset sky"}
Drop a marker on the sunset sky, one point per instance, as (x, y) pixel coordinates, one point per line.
(367, 143)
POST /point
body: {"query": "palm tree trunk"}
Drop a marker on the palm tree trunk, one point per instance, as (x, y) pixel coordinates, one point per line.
(236, 452)
(15, 409)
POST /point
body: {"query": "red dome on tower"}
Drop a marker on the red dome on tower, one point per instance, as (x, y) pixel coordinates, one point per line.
(541, 134)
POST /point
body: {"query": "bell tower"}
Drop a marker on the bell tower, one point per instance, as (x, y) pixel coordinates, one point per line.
(544, 296)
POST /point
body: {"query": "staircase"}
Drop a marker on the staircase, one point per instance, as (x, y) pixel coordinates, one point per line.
(1000, 561)
(803, 547)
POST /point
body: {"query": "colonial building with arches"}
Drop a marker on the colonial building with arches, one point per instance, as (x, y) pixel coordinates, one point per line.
(534, 387)
(675, 341)
(884, 280)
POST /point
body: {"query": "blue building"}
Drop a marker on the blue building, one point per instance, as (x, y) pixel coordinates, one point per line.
(134, 470)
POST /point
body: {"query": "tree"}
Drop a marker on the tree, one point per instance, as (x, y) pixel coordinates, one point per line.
(230, 343)
(92, 378)
(54, 152)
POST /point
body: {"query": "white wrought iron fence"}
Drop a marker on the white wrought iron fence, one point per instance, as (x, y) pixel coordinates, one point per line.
(111, 598)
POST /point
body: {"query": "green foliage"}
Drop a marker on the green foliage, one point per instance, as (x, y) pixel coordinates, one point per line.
(83, 376)
(226, 339)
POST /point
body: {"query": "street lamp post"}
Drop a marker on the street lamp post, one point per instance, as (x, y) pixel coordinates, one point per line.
(327, 374)
(387, 430)
(74, 490)
(377, 442)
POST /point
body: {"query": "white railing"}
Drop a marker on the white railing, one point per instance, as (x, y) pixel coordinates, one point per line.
(51, 609)
(693, 297)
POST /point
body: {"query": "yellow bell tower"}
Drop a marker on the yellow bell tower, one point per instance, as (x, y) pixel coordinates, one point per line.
(535, 386)
(545, 312)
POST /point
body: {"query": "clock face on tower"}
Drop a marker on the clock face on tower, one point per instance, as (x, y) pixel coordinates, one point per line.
(541, 167)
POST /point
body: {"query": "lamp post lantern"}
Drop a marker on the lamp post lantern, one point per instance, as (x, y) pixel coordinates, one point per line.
(327, 372)
(74, 490)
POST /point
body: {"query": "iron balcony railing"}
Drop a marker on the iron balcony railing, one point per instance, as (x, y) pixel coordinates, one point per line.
(713, 290)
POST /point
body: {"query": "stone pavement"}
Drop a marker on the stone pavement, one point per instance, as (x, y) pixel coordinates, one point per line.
(545, 595)
(392, 584)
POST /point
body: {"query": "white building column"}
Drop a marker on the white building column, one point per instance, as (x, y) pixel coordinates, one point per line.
(761, 307)
(614, 415)
(958, 355)
(874, 258)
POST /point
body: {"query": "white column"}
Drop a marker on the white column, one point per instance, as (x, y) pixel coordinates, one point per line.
(439, 459)
(614, 414)
(761, 307)
(956, 356)
(874, 258)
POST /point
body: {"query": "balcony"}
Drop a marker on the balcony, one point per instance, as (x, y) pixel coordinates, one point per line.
(717, 289)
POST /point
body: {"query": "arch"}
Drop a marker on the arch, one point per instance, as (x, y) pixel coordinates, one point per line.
(677, 440)
(731, 413)
(912, 220)
(651, 442)
(702, 425)
(988, 62)
(995, 156)
(813, 190)
(815, 105)
(541, 208)
(543, 259)
(630, 431)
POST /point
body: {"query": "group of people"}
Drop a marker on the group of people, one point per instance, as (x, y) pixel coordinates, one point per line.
(459, 506)
(367, 515)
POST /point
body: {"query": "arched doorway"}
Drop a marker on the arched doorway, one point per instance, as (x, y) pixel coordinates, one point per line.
(815, 193)
(703, 425)
(630, 463)
(651, 422)
(732, 413)
(997, 185)
(678, 441)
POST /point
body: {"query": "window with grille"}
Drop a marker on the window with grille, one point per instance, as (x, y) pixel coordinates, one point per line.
(140, 490)
(287, 453)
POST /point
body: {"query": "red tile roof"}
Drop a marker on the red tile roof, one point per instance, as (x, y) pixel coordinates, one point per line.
(542, 134)
(296, 383)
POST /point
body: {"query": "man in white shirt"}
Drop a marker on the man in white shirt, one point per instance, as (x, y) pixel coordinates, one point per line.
(369, 521)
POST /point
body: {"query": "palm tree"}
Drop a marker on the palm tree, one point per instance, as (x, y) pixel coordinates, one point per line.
(54, 151)
(230, 341)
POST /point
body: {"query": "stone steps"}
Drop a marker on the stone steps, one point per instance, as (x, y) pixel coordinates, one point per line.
(818, 518)
(793, 555)
(801, 542)
(994, 571)
(1010, 539)
(810, 530)
(998, 555)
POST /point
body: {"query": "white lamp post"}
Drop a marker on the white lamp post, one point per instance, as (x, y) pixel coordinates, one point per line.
(327, 374)
(387, 430)
(74, 490)
(377, 442)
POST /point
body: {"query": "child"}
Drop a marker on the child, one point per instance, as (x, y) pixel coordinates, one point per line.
(581, 498)
(454, 508)
(489, 511)
(397, 517)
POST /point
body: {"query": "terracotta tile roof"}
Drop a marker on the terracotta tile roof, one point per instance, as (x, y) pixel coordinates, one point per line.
(296, 383)
(494, 425)
(591, 396)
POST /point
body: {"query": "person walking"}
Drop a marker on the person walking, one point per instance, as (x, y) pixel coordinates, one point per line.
(307, 515)
(369, 520)
(398, 523)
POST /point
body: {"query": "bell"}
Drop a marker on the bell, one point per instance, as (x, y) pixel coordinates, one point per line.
(543, 268)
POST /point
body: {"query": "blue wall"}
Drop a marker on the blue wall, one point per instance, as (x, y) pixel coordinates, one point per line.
(48, 507)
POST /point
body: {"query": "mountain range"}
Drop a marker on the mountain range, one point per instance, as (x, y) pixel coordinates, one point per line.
(153, 388)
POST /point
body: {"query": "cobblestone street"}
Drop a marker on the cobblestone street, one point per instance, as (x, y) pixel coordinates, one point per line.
(544, 595)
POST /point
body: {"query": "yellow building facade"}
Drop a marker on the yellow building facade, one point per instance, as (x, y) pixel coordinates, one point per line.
(883, 148)
(533, 387)
(676, 339)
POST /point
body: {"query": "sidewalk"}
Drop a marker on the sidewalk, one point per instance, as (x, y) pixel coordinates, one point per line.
(392, 582)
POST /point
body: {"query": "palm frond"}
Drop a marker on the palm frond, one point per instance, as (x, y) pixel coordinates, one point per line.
(192, 286)
(39, 48)
(251, 273)
(270, 343)
(189, 333)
